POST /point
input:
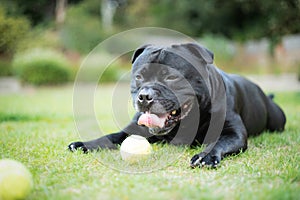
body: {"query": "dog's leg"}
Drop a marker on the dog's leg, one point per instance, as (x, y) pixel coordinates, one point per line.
(112, 141)
(233, 139)
(276, 118)
(109, 141)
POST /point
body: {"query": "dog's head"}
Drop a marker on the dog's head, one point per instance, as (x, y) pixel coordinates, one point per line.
(167, 84)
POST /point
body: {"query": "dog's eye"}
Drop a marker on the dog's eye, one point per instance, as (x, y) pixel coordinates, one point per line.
(138, 77)
(171, 78)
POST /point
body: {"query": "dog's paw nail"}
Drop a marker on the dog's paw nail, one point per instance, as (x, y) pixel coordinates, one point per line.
(72, 147)
(195, 161)
(195, 164)
(77, 145)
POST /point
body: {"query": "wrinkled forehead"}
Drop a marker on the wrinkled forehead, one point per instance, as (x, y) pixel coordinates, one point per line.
(162, 59)
(156, 69)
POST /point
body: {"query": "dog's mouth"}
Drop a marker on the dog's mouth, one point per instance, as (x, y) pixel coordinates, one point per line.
(163, 123)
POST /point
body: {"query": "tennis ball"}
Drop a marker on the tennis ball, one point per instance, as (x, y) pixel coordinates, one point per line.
(135, 148)
(15, 180)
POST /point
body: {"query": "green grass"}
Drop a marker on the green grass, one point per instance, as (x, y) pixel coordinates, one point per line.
(37, 125)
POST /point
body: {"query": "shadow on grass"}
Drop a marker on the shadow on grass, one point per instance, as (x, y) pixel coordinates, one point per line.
(16, 117)
(4, 117)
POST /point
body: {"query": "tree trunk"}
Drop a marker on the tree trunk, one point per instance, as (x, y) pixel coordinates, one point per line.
(108, 9)
(60, 12)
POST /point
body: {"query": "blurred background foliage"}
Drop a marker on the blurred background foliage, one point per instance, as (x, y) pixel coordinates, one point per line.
(41, 67)
(72, 28)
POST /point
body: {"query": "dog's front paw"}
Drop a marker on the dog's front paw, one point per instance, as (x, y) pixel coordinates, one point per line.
(205, 159)
(77, 145)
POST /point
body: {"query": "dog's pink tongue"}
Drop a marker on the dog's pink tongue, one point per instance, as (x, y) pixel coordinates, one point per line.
(151, 120)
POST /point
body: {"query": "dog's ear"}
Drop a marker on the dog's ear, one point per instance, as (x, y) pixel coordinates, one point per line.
(138, 52)
(200, 51)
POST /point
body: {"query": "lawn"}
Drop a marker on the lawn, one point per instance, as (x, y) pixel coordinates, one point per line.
(37, 125)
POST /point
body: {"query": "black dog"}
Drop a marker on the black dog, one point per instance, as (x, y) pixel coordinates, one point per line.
(182, 98)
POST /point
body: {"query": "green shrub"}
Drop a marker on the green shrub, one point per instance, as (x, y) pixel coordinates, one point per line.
(42, 67)
(110, 74)
(12, 31)
(5, 68)
(93, 74)
(97, 67)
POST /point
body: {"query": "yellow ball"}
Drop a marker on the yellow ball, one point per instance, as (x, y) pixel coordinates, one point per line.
(15, 180)
(135, 148)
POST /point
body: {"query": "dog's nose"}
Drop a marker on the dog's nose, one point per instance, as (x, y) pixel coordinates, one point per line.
(146, 96)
